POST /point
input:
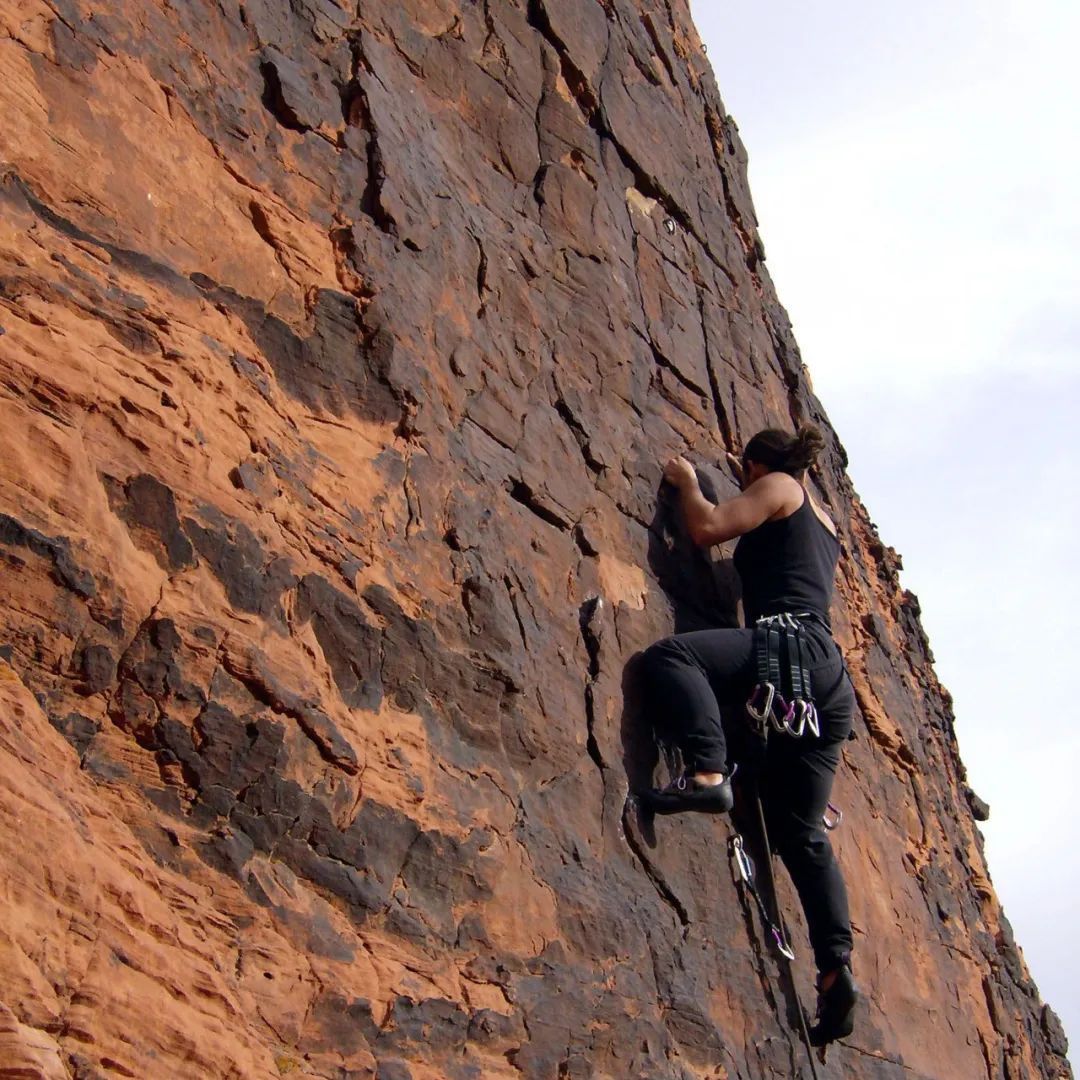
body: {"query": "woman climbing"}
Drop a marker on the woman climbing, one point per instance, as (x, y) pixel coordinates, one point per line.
(786, 559)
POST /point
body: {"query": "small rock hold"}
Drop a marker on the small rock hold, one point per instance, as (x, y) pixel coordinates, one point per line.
(79, 730)
(585, 540)
(393, 1069)
(96, 668)
(980, 809)
(1054, 1032)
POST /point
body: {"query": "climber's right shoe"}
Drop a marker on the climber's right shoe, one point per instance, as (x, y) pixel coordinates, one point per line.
(688, 793)
(836, 1009)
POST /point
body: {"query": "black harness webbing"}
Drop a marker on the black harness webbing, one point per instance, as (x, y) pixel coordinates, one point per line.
(800, 675)
(772, 654)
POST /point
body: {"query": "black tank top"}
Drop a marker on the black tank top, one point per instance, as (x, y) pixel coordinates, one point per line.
(788, 565)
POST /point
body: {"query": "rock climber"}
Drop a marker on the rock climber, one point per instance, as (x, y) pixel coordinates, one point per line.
(786, 559)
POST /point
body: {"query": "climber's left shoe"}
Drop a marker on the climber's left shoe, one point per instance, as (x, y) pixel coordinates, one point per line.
(836, 1009)
(688, 793)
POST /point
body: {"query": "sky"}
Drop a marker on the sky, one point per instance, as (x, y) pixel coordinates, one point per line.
(915, 170)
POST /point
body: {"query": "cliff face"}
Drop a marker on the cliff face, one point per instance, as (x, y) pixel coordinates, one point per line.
(342, 349)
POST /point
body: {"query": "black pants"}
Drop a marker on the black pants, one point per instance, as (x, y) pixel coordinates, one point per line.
(691, 681)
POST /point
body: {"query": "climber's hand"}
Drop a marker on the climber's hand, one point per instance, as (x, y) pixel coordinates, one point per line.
(735, 464)
(679, 472)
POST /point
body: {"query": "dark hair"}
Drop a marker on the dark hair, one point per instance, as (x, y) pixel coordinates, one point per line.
(780, 451)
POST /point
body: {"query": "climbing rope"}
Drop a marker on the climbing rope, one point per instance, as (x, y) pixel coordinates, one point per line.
(776, 928)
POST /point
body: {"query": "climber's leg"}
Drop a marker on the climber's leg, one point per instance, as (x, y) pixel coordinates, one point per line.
(796, 786)
(688, 677)
(796, 790)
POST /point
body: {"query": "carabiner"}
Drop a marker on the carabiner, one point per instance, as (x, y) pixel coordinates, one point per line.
(831, 824)
(761, 715)
(743, 861)
(795, 730)
(781, 710)
(782, 946)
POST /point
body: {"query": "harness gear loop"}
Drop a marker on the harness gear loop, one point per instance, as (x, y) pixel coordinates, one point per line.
(760, 703)
(779, 637)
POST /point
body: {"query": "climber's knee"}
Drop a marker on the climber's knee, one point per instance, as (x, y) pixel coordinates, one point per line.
(660, 655)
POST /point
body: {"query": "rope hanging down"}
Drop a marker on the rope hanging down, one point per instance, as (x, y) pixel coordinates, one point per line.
(776, 928)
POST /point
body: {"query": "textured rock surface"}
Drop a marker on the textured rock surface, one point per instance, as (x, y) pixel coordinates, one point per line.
(341, 351)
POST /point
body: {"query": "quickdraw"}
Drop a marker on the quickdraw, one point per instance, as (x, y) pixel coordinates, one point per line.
(746, 875)
(779, 637)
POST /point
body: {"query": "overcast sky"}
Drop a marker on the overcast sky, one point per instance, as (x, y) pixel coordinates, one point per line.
(916, 171)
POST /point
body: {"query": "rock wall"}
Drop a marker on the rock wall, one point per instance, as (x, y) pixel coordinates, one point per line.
(342, 346)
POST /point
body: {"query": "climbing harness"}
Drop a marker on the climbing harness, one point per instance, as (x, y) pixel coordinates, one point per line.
(783, 697)
(746, 875)
(776, 638)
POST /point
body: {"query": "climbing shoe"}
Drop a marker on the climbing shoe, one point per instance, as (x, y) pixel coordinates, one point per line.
(836, 1009)
(687, 793)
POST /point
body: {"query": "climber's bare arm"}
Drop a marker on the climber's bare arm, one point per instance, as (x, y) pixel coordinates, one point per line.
(710, 524)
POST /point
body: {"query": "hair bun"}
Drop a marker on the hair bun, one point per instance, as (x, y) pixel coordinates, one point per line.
(778, 450)
(807, 445)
